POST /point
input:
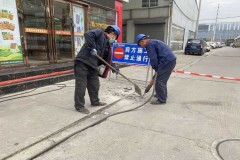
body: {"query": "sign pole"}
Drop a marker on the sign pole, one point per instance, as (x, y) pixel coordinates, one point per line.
(109, 77)
(146, 83)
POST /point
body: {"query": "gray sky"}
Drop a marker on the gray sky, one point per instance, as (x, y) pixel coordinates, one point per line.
(227, 8)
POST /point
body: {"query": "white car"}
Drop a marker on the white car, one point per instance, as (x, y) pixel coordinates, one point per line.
(219, 44)
(212, 44)
(208, 48)
(223, 44)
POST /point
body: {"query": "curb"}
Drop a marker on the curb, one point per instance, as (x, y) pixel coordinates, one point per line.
(35, 83)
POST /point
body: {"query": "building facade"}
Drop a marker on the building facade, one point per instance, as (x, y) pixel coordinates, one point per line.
(51, 31)
(221, 31)
(170, 21)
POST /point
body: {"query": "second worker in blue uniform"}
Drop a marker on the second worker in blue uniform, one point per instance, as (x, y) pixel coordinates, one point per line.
(162, 60)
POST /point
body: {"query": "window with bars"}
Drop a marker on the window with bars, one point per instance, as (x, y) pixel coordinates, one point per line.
(149, 3)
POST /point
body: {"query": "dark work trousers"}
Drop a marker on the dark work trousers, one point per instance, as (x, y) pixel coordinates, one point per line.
(85, 77)
(162, 78)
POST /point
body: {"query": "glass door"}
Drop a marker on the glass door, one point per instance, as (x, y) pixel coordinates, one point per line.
(36, 30)
(63, 30)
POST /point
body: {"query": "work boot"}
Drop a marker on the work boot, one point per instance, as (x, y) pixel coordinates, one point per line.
(156, 102)
(83, 110)
(99, 104)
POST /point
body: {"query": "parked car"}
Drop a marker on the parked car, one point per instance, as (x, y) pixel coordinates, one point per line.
(236, 42)
(219, 44)
(208, 48)
(229, 41)
(223, 44)
(212, 44)
(195, 46)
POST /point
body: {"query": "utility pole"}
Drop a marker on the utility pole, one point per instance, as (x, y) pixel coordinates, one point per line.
(199, 9)
(169, 32)
(215, 28)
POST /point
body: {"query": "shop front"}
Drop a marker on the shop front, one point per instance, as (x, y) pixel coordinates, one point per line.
(48, 31)
(51, 31)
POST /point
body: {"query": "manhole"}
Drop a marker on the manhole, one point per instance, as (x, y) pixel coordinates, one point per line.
(227, 149)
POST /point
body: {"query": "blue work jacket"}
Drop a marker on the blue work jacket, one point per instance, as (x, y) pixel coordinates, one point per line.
(95, 39)
(159, 53)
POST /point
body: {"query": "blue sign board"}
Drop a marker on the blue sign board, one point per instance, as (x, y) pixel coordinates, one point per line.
(129, 53)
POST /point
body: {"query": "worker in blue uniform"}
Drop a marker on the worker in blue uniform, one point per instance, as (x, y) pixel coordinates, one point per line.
(86, 65)
(162, 60)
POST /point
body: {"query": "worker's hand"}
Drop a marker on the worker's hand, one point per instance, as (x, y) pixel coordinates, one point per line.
(93, 52)
(148, 88)
(116, 71)
(151, 82)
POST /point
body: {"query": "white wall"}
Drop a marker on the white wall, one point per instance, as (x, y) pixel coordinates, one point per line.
(187, 21)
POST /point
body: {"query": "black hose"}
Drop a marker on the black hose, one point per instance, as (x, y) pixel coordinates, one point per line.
(5, 97)
(92, 125)
(15, 96)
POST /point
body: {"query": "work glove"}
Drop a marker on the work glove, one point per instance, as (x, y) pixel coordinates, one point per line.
(93, 52)
(117, 70)
(150, 84)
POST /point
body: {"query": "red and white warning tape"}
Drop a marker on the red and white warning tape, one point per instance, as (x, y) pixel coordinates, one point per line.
(206, 75)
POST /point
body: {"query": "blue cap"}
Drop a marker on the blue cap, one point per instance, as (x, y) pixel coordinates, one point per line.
(116, 29)
(140, 37)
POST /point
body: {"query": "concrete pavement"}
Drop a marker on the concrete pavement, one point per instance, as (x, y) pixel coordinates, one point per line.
(199, 112)
(43, 111)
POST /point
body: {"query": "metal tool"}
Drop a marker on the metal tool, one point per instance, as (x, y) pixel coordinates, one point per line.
(137, 88)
